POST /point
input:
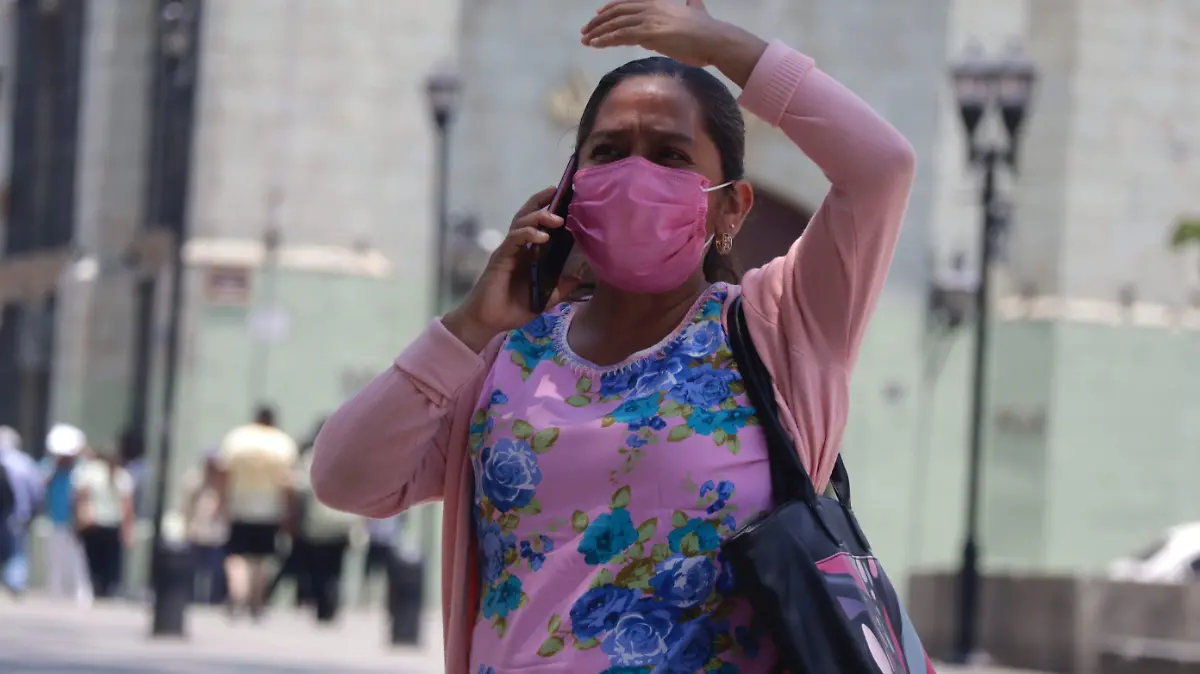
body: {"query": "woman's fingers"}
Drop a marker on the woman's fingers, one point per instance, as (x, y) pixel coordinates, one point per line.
(614, 10)
(622, 30)
(536, 202)
(521, 237)
(539, 218)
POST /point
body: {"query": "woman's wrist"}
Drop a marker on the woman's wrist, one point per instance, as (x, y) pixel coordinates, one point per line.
(735, 52)
(469, 331)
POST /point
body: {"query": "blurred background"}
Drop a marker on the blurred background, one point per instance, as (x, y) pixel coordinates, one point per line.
(214, 204)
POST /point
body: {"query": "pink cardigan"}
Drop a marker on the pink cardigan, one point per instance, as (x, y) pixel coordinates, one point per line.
(403, 439)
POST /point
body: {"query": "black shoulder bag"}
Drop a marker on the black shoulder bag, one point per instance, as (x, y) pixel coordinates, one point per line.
(806, 566)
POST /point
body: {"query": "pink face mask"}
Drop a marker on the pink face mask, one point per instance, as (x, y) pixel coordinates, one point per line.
(640, 225)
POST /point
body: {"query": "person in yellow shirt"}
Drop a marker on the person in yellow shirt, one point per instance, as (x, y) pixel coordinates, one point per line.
(257, 461)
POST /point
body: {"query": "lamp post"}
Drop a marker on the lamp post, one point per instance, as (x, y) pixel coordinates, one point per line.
(406, 577)
(442, 89)
(175, 68)
(980, 85)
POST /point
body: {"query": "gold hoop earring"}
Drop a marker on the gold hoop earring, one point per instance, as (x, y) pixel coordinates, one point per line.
(725, 243)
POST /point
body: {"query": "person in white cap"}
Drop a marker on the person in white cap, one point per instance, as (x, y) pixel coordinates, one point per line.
(66, 566)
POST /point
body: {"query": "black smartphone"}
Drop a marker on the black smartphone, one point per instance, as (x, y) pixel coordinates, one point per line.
(548, 259)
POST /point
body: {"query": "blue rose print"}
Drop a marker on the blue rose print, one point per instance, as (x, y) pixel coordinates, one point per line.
(484, 669)
(510, 474)
(498, 398)
(724, 493)
(636, 410)
(703, 386)
(701, 339)
(659, 375)
(690, 647)
(598, 610)
(621, 381)
(635, 441)
(712, 308)
(684, 582)
(494, 544)
(536, 559)
(655, 422)
(501, 599)
(541, 327)
(707, 422)
(532, 353)
(483, 427)
(607, 536)
(640, 637)
(705, 532)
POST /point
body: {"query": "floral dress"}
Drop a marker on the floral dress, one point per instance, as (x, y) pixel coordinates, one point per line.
(602, 496)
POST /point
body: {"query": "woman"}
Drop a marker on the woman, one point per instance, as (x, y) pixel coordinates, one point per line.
(593, 458)
(104, 515)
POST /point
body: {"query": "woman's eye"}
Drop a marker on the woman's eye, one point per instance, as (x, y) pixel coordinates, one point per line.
(604, 152)
(674, 156)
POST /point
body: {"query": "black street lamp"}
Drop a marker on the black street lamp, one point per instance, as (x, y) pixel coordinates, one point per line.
(442, 89)
(981, 84)
(406, 578)
(175, 65)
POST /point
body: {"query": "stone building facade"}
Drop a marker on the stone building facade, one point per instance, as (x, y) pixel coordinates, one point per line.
(312, 132)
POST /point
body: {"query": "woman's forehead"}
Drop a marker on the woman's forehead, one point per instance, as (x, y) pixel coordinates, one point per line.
(649, 103)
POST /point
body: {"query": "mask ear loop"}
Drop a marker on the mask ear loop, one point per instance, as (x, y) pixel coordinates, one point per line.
(722, 186)
(706, 190)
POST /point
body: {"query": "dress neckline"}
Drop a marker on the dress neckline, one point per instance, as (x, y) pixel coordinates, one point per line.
(580, 364)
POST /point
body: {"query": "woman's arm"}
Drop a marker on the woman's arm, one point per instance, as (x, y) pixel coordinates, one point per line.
(822, 293)
(385, 449)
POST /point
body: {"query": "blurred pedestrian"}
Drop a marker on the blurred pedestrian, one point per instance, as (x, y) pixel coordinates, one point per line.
(104, 518)
(20, 478)
(257, 460)
(381, 549)
(207, 528)
(66, 567)
(325, 534)
(297, 565)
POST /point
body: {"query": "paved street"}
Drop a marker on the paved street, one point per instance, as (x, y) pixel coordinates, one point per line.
(41, 637)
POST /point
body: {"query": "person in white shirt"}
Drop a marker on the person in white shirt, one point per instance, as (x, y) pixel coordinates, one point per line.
(257, 462)
(104, 517)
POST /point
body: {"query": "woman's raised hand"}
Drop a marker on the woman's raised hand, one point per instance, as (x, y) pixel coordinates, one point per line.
(684, 32)
(500, 299)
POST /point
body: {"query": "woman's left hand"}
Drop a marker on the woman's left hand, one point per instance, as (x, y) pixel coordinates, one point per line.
(684, 32)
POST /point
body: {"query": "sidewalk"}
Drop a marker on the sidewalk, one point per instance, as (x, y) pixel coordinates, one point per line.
(38, 636)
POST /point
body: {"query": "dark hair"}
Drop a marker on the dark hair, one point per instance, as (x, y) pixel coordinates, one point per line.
(722, 120)
(264, 415)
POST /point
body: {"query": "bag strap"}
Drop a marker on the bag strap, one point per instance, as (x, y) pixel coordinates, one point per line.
(789, 479)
